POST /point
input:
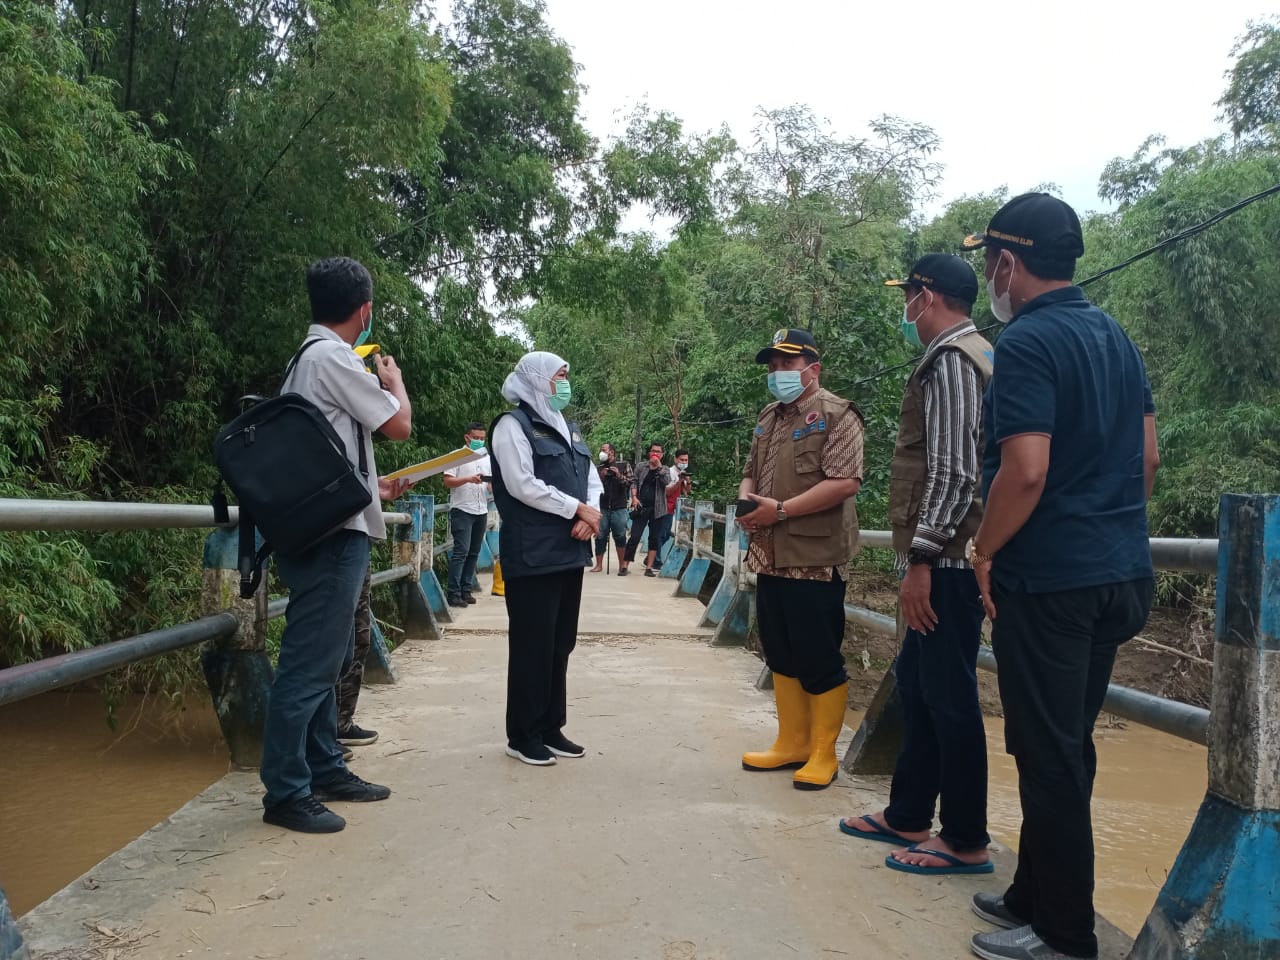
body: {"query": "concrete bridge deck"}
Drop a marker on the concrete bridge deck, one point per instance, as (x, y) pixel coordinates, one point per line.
(655, 846)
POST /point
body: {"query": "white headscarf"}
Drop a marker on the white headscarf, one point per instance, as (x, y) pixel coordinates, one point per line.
(531, 382)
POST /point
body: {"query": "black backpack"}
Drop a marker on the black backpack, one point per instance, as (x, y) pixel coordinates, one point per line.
(289, 471)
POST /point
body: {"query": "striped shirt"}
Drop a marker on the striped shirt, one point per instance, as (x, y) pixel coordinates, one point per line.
(953, 426)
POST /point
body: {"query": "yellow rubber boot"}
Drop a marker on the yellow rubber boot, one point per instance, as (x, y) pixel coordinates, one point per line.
(826, 718)
(499, 587)
(791, 749)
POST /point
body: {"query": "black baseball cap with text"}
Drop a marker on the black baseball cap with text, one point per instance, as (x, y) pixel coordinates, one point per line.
(943, 273)
(790, 343)
(1034, 223)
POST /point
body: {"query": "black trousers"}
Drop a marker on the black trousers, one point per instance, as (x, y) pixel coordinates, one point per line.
(543, 630)
(801, 629)
(1056, 651)
(944, 747)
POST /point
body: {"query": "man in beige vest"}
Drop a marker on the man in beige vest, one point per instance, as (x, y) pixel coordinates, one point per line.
(935, 506)
(804, 469)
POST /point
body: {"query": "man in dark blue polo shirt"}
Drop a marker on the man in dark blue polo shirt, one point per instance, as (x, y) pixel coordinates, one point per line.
(1062, 556)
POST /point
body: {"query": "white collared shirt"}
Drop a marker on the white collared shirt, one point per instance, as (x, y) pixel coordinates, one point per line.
(332, 377)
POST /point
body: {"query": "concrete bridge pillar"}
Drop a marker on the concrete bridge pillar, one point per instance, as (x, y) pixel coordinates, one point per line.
(414, 546)
(236, 669)
(11, 945)
(1221, 901)
(681, 526)
(703, 537)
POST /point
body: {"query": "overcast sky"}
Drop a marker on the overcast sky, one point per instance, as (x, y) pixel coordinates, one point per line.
(1020, 94)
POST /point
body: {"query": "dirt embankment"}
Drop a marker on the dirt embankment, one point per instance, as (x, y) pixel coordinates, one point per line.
(1172, 657)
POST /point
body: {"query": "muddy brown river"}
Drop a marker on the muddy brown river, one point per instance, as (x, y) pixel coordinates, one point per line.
(74, 792)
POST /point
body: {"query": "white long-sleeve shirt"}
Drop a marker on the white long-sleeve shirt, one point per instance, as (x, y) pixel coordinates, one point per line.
(511, 448)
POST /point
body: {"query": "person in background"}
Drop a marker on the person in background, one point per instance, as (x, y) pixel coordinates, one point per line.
(803, 471)
(1061, 557)
(302, 765)
(468, 515)
(934, 508)
(681, 488)
(545, 485)
(615, 477)
(649, 506)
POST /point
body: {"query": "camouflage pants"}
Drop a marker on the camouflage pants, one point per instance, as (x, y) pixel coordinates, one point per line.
(353, 668)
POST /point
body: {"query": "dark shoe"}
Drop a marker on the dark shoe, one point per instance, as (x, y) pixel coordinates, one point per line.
(468, 599)
(356, 736)
(305, 814)
(349, 788)
(622, 571)
(562, 746)
(991, 908)
(455, 601)
(535, 754)
(348, 754)
(1020, 943)
(650, 572)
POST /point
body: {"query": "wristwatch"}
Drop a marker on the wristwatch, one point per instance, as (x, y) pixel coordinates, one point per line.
(782, 514)
(916, 557)
(975, 557)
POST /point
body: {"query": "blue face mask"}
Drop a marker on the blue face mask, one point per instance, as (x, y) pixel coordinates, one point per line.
(560, 399)
(786, 385)
(908, 327)
(366, 331)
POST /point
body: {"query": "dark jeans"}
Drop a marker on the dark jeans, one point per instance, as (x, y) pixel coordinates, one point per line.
(300, 739)
(659, 534)
(801, 628)
(542, 611)
(348, 691)
(615, 522)
(468, 536)
(944, 746)
(1056, 651)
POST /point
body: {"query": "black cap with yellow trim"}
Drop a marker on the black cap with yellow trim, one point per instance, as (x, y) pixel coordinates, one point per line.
(790, 343)
(944, 273)
(1035, 223)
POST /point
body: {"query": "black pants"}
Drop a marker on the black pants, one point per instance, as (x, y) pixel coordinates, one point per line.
(644, 519)
(353, 667)
(1056, 651)
(801, 628)
(468, 537)
(543, 614)
(944, 747)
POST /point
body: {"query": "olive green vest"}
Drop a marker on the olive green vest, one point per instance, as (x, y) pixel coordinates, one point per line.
(910, 469)
(826, 539)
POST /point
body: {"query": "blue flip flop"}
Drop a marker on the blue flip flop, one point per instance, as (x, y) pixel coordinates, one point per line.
(881, 832)
(954, 864)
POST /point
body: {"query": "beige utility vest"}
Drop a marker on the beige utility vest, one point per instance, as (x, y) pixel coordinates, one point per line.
(826, 539)
(910, 469)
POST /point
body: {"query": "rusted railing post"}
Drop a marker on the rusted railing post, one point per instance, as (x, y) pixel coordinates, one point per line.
(703, 538)
(414, 547)
(236, 669)
(727, 588)
(1219, 901)
(681, 527)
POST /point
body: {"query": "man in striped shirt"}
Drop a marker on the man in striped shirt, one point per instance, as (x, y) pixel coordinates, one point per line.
(934, 507)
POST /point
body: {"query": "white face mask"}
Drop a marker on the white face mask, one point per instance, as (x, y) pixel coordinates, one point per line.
(682, 467)
(1001, 306)
(604, 456)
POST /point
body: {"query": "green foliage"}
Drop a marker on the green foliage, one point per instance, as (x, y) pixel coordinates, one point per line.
(1251, 103)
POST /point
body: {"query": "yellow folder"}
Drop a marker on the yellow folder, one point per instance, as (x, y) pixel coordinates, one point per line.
(429, 468)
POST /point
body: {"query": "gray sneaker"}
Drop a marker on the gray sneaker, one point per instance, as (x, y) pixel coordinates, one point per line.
(1020, 943)
(991, 908)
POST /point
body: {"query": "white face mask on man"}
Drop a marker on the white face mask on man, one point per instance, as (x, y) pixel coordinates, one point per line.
(1002, 305)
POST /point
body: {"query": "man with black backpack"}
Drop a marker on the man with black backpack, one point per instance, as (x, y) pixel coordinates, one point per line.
(302, 764)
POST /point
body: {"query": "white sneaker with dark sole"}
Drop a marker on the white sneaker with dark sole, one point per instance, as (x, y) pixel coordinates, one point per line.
(532, 758)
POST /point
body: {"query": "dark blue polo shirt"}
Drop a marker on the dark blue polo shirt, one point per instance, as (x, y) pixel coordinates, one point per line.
(1065, 368)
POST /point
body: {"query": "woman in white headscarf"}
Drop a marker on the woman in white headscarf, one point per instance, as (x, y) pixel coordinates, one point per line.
(547, 491)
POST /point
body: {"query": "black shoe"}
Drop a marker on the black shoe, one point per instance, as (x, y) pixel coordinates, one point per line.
(350, 788)
(991, 908)
(650, 572)
(356, 736)
(456, 601)
(622, 571)
(348, 754)
(305, 814)
(535, 754)
(562, 746)
(468, 598)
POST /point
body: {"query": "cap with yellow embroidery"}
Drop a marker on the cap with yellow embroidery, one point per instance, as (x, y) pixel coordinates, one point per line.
(790, 343)
(943, 273)
(1033, 223)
